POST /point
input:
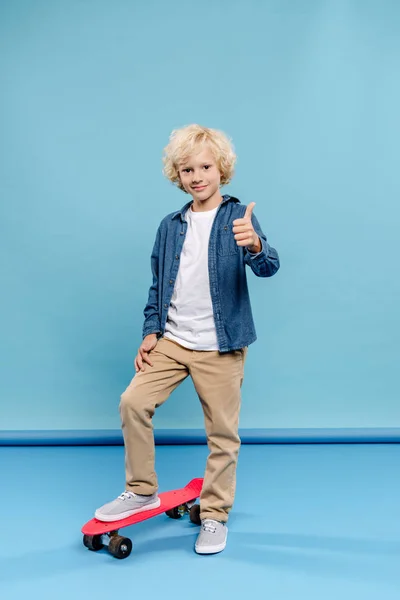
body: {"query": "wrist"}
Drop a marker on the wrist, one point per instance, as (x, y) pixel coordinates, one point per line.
(256, 247)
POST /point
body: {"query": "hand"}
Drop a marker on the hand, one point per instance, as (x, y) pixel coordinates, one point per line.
(244, 231)
(148, 344)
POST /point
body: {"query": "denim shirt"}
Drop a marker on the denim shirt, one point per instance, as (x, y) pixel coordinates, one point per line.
(227, 273)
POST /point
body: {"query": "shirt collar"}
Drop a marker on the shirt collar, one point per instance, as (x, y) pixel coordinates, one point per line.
(182, 211)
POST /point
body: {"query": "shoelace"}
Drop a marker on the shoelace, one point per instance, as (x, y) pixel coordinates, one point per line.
(126, 495)
(209, 526)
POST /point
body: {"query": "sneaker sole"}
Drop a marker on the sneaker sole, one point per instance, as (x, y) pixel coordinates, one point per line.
(128, 513)
(211, 549)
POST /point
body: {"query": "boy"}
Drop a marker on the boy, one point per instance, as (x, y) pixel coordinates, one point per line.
(198, 322)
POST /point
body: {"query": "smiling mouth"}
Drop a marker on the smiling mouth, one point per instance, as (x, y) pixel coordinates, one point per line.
(199, 187)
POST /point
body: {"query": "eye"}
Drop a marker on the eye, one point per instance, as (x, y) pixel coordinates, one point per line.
(186, 170)
(207, 167)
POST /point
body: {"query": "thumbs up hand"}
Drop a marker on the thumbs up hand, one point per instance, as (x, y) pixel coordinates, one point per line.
(244, 231)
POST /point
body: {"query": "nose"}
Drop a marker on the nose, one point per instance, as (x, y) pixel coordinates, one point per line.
(196, 178)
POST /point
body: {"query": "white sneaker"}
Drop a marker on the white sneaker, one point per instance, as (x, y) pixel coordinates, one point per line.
(212, 537)
(125, 505)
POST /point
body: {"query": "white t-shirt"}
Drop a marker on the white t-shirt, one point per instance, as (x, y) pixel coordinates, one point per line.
(190, 319)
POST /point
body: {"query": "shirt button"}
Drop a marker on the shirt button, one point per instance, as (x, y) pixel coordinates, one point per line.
(176, 257)
(165, 305)
(171, 281)
(182, 232)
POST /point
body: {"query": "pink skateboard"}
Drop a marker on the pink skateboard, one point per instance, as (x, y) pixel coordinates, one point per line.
(176, 503)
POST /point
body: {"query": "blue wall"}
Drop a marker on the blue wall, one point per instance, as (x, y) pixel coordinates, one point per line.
(310, 93)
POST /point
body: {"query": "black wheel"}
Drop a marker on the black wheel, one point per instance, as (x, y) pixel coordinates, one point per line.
(93, 542)
(173, 513)
(194, 514)
(119, 546)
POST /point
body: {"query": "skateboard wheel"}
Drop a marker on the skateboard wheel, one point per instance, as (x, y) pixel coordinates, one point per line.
(194, 514)
(119, 547)
(174, 513)
(93, 542)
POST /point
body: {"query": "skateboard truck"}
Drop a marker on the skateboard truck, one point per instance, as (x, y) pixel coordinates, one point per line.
(117, 545)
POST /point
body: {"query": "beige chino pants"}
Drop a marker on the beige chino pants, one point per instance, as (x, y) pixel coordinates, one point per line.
(218, 379)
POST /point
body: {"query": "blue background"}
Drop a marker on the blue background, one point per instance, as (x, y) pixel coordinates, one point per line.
(310, 93)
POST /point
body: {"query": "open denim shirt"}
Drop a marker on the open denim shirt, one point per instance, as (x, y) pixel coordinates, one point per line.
(227, 272)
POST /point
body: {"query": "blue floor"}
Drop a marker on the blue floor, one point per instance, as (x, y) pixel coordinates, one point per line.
(309, 522)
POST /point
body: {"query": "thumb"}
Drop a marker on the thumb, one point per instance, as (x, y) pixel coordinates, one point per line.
(249, 210)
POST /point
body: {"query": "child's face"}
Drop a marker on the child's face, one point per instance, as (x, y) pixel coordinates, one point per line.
(200, 175)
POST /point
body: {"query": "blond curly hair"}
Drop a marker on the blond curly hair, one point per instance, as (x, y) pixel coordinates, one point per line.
(190, 139)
